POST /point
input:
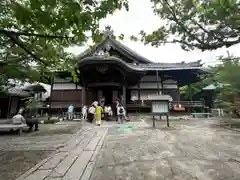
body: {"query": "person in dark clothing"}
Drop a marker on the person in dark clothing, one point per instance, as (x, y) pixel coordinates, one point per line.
(120, 113)
(30, 121)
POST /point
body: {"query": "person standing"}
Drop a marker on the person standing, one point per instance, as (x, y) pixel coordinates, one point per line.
(99, 111)
(91, 113)
(102, 102)
(107, 112)
(120, 113)
(84, 112)
(116, 100)
(70, 112)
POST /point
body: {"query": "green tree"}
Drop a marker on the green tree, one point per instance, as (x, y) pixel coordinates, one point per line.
(201, 24)
(189, 91)
(229, 74)
(34, 33)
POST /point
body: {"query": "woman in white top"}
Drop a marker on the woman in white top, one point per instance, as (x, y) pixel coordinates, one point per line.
(91, 112)
(84, 112)
(107, 112)
(110, 112)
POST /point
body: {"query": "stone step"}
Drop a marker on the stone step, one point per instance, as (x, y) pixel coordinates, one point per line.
(77, 169)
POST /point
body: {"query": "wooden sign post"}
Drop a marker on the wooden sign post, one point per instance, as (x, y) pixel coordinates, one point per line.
(160, 107)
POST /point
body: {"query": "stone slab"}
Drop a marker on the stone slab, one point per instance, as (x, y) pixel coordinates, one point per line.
(78, 150)
(62, 168)
(52, 178)
(30, 171)
(88, 171)
(54, 161)
(71, 144)
(94, 157)
(77, 169)
(38, 175)
(92, 144)
(101, 141)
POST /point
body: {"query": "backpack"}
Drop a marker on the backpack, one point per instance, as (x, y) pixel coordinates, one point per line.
(121, 110)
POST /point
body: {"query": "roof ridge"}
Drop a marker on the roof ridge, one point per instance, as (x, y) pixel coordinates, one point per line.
(130, 50)
(90, 49)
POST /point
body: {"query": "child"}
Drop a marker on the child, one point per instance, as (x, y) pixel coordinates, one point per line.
(120, 113)
(98, 116)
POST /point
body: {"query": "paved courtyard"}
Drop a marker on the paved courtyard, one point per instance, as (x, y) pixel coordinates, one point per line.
(19, 153)
(187, 150)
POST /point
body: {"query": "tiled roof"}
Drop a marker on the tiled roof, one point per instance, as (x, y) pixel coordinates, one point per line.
(117, 46)
(18, 91)
(142, 61)
(146, 67)
(131, 52)
(168, 66)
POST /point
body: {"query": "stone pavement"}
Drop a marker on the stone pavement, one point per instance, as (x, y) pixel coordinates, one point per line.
(74, 160)
(188, 150)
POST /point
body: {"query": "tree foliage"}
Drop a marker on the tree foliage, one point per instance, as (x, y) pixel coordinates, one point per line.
(225, 77)
(34, 33)
(201, 24)
(229, 74)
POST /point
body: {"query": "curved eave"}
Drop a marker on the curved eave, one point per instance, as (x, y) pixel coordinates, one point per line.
(111, 60)
(175, 69)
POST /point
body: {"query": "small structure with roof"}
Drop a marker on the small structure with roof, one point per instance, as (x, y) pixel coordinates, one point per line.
(14, 98)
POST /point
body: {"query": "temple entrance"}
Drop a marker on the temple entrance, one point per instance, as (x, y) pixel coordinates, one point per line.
(108, 78)
(109, 93)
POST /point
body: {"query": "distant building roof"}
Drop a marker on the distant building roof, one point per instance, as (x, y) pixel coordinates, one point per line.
(215, 86)
(39, 87)
(17, 91)
(21, 89)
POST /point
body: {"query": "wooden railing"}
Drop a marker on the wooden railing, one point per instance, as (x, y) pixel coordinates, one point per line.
(189, 103)
(147, 103)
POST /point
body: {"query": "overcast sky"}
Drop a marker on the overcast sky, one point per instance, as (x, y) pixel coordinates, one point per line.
(140, 17)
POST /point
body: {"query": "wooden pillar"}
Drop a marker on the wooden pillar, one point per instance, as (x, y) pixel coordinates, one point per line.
(9, 106)
(154, 122)
(168, 120)
(124, 96)
(178, 93)
(161, 85)
(190, 92)
(158, 86)
(84, 95)
(50, 98)
(139, 96)
(124, 92)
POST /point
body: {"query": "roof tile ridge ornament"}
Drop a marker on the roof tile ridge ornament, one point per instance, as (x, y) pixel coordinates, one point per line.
(104, 50)
(108, 33)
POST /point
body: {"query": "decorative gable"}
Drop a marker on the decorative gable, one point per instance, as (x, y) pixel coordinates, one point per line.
(112, 47)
